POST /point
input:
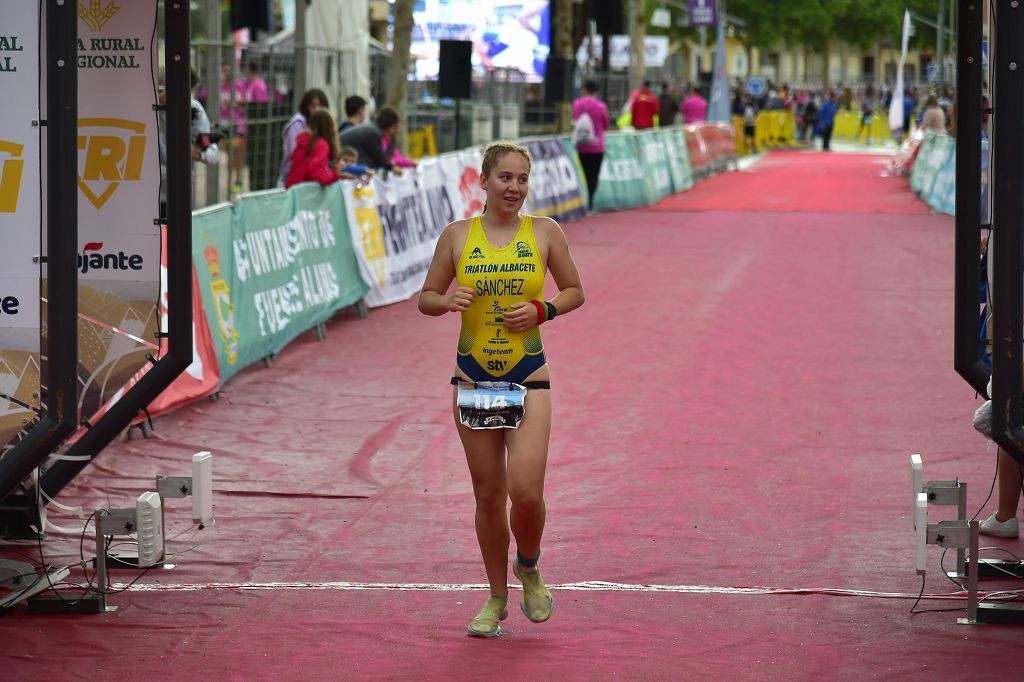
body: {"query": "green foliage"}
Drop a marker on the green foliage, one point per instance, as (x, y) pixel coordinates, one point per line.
(812, 23)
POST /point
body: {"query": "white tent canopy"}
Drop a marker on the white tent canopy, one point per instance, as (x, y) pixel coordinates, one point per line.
(338, 25)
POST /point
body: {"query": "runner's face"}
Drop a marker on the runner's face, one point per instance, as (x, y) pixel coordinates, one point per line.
(508, 183)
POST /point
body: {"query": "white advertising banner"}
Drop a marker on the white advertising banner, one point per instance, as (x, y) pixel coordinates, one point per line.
(20, 216)
(119, 194)
(394, 234)
(461, 171)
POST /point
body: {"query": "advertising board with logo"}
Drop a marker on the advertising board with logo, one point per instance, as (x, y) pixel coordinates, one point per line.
(555, 187)
(119, 195)
(394, 232)
(461, 172)
(20, 216)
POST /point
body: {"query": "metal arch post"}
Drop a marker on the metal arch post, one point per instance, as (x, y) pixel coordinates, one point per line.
(966, 360)
(179, 264)
(1007, 229)
(61, 359)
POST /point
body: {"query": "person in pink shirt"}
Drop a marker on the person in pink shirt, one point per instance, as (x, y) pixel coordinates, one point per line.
(694, 107)
(250, 89)
(590, 140)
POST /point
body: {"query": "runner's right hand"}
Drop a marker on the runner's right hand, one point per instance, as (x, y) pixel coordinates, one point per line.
(460, 299)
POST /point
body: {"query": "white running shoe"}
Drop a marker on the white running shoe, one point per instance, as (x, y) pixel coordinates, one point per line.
(1001, 529)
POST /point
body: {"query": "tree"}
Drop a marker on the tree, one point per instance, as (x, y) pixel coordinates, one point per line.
(637, 37)
(812, 23)
(398, 70)
(561, 41)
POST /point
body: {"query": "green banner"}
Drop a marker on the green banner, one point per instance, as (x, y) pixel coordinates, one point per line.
(622, 183)
(581, 177)
(929, 159)
(283, 264)
(674, 140)
(654, 159)
(214, 263)
(942, 196)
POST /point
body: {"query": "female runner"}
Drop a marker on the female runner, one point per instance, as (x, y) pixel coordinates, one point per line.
(499, 261)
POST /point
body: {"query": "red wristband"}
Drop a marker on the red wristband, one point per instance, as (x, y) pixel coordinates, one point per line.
(542, 316)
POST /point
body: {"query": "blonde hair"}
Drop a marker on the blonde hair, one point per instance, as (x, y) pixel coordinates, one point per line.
(495, 152)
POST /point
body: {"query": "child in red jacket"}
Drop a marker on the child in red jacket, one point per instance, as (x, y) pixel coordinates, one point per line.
(316, 152)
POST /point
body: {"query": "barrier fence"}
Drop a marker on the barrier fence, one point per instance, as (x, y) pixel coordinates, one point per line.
(929, 158)
(281, 262)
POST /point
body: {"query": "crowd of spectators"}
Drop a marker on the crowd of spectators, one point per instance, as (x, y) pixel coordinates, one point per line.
(814, 110)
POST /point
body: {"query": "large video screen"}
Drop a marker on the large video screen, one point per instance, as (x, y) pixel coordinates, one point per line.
(506, 34)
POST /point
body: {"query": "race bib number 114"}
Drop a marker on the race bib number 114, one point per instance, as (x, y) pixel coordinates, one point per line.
(491, 404)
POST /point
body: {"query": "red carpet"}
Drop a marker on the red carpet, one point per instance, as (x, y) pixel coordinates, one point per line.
(735, 407)
(842, 183)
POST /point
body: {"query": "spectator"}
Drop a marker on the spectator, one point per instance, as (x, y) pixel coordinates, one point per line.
(810, 119)
(368, 140)
(591, 150)
(644, 107)
(204, 142)
(668, 104)
(348, 162)
(867, 110)
(355, 111)
(256, 89)
(1009, 474)
(316, 152)
(934, 118)
(738, 103)
(909, 102)
(826, 120)
(251, 89)
(749, 124)
(312, 101)
(397, 157)
(694, 107)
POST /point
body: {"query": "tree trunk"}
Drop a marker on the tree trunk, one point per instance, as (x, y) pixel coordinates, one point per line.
(638, 35)
(562, 43)
(398, 70)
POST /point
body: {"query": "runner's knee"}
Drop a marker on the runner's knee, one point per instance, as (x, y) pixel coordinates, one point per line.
(527, 499)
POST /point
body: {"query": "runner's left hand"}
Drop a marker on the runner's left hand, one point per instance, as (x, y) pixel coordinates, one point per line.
(521, 316)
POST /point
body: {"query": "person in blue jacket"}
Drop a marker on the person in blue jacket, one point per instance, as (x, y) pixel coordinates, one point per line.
(827, 119)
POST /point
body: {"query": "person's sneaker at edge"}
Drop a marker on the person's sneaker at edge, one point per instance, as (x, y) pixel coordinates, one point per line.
(1009, 528)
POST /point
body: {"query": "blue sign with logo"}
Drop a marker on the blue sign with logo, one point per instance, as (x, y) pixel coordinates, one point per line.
(756, 86)
(703, 13)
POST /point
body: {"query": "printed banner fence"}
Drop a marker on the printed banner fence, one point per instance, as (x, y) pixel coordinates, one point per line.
(118, 199)
(931, 156)
(933, 177)
(621, 183)
(674, 140)
(697, 150)
(395, 229)
(654, 159)
(903, 162)
(461, 173)
(276, 265)
(556, 186)
(942, 195)
(20, 218)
